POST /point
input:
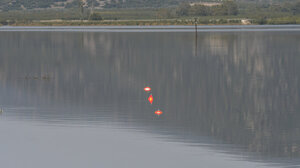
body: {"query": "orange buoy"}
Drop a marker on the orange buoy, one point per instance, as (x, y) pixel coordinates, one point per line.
(150, 98)
(147, 89)
(158, 112)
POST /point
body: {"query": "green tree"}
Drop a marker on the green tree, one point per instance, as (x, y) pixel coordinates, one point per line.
(219, 10)
(96, 16)
(230, 7)
(81, 7)
(296, 8)
(183, 9)
(164, 13)
(200, 10)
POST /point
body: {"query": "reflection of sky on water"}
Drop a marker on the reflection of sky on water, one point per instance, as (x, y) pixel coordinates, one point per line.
(161, 138)
(44, 146)
(236, 98)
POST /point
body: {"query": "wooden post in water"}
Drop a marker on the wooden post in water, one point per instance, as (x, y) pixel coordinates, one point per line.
(196, 36)
(195, 25)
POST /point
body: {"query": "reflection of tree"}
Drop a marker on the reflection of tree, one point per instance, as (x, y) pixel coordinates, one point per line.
(241, 88)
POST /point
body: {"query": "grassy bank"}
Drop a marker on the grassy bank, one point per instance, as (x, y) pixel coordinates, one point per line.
(200, 21)
(147, 16)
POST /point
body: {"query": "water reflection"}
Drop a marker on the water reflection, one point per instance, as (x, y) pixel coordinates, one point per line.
(236, 88)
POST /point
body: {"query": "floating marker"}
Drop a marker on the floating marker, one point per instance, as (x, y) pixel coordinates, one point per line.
(158, 112)
(147, 89)
(150, 98)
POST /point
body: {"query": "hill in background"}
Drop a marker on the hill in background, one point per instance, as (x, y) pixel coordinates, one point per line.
(148, 12)
(7, 5)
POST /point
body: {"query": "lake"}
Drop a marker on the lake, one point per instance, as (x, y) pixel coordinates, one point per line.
(74, 97)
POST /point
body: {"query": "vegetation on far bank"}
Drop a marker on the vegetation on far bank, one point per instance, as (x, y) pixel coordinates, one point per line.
(227, 12)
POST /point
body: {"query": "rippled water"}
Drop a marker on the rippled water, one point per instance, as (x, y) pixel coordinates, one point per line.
(76, 98)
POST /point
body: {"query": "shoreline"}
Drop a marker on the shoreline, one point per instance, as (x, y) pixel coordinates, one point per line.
(145, 22)
(115, 23)
(157, 28)
(83, 24)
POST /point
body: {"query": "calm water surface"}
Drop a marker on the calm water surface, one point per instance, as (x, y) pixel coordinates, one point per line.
(75, 98)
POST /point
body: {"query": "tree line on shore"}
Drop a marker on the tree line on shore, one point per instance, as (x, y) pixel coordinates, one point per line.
(214, 13)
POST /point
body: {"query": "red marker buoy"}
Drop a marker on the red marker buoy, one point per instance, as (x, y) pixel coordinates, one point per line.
(158, 112)
(147, 89)
(150, 98)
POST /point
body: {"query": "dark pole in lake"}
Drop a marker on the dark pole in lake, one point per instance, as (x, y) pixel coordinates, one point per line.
(196, 36)
(195, 25)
